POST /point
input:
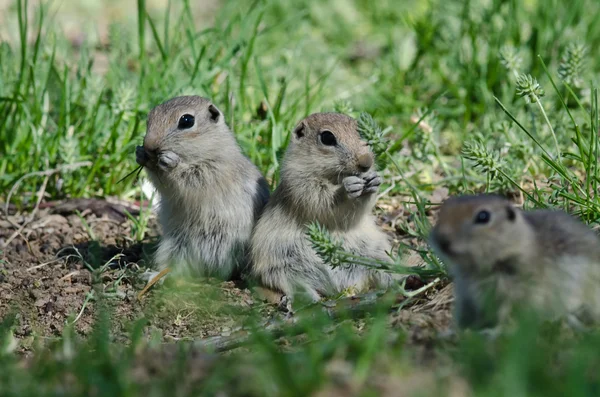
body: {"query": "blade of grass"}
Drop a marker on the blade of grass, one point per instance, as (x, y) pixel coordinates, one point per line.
(159, 44)
(141, 9)
(562, 101)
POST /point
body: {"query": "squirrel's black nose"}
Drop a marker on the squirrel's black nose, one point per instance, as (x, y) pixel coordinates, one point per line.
(142, 156)
(442, 242)
(445, 244)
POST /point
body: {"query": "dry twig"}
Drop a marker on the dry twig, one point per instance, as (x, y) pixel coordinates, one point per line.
(153, 281)
(46, 173)
(31, 216)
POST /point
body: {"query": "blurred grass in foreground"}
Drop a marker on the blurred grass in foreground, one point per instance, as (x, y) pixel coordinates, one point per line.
(481, 95)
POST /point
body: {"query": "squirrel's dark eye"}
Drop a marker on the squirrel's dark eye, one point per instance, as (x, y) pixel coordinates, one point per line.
(328, 139)
(186, 121)
(483, 217)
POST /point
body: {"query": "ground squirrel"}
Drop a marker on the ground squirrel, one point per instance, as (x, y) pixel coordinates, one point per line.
(502, 257)
(211, 194)
(327, 176)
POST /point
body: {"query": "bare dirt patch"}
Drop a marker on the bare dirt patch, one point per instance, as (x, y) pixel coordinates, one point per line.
(47, 269)
(56, 269)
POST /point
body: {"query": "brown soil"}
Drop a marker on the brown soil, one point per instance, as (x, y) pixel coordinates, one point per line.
(71, 254)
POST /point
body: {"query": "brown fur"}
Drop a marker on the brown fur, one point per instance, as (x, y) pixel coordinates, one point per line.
(334, 185)
(211, 194)
(544, 259)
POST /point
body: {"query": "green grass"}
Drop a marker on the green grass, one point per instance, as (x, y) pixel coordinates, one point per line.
(456, 83)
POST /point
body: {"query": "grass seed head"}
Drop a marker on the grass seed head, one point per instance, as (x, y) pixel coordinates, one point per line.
(529, 88)
(572, 64)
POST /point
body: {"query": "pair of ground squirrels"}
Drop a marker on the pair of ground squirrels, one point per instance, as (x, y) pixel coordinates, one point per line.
(212, 198)
(502, 257)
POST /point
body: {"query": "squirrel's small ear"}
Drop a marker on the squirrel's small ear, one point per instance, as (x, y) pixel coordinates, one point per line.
(299, 130)
(213, 113)
(511, 213)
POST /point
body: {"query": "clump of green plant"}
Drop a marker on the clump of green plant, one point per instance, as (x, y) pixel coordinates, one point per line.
(331, 252)
(370, 131)
(511, 60)
(572, 64)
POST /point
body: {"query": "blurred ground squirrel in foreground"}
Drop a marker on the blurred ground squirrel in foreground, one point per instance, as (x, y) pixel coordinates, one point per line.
(327, 176)
(502, 257)
(211, 194)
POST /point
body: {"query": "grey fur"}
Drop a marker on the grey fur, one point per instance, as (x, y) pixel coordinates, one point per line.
(365, 183)
(547, 260)
(327, 184)
(211, 194)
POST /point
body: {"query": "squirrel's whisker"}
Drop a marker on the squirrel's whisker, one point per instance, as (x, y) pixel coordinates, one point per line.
(138, 170)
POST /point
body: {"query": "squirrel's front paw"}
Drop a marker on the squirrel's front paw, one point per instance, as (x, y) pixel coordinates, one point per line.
(167, 160)
(372, 181)
(354, 186)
